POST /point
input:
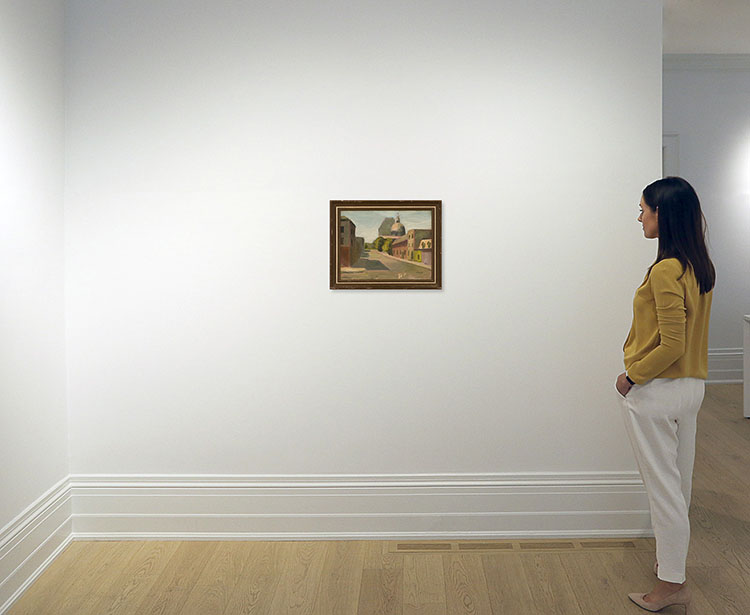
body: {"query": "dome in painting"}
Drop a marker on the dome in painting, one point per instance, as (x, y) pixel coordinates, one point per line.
(398, 228)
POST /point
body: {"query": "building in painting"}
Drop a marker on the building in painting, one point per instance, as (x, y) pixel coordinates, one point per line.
(384, 230)
(350, 249)
(398, 229)
(414, 237)
(425, 252)
(391, 228)
(398, 247)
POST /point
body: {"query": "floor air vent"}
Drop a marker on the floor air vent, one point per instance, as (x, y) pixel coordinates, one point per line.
(522, 546)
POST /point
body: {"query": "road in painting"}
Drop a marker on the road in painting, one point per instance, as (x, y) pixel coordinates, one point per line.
(385, 245)
(374, 265)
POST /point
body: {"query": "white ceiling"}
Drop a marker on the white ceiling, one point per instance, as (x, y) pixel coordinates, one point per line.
(707, 26)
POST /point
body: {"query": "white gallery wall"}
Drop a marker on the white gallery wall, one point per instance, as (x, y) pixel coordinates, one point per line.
(35, 510)
(204, 143)
(706, 102)
(33, 422)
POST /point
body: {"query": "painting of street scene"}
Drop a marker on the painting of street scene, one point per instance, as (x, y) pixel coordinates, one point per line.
(385, 244)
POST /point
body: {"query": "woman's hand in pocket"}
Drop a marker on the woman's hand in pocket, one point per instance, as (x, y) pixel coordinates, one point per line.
(622, 385)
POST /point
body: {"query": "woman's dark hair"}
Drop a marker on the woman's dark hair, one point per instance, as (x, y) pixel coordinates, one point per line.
(682, 228)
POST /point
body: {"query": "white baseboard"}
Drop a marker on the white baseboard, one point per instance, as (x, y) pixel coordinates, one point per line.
(30, 542)
(381, 507)
(725, 365)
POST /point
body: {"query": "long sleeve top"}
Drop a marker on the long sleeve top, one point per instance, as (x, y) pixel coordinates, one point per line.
(669, 334)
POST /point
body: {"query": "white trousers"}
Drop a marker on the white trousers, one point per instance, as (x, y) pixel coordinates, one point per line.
(660, 417)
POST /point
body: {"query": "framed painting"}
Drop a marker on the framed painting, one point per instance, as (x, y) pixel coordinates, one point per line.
(386, 244)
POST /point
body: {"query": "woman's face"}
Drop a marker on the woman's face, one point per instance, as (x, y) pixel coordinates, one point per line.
(649, 218)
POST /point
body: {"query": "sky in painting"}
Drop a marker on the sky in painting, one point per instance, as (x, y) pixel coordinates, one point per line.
(368, 221)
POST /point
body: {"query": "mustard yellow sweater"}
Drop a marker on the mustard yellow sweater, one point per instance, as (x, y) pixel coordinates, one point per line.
(669, 334)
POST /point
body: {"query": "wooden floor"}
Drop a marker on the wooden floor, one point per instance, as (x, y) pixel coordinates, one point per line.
(382, 577)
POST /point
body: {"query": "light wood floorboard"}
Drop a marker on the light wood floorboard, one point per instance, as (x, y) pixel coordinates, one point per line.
(373, 578)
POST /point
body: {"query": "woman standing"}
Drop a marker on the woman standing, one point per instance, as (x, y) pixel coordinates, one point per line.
(666, 362)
